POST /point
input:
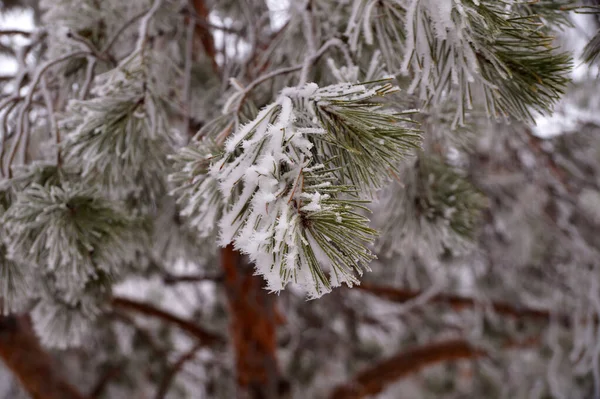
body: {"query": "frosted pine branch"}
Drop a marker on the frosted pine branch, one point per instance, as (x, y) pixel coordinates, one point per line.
(70, 232)
(120, 138)
(455, 50)
(433, 201)
(291, 179)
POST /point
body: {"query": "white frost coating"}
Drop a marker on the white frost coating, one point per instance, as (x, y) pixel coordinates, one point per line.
(454, 40)
(277, 194)
(241, 134)
(51, 228)
(122, 133)
(346, 73)
(424, 33)
(300, 92)
(61, 328)
(272, 161)
(441, 15)
(271, 158)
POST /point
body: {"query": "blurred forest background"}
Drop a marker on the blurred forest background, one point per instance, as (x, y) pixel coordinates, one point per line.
(487, 282)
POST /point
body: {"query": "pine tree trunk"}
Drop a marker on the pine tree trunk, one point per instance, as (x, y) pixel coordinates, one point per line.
(253, 329)
(22, 353)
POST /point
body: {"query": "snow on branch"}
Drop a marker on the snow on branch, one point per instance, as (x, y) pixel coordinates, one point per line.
(69, 232)
(119, 138)
(457, 50)
(434, 201)
(292, 179)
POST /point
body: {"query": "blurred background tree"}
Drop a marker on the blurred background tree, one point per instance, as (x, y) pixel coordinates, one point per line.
(177, 177)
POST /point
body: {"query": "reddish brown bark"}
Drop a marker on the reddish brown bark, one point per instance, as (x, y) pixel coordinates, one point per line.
(376, 378)
(171, 279)
(22, 353)
(205, 337)
(460, 302)
(253, 328)
(204, 33)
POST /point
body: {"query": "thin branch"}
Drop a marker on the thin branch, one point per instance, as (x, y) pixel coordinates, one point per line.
(261, 79)
(51, 117)
(142, 332)
(22, 353)
(187, 76)
(13, 101)
(376, 378)
(260, 68)
(333, 42)
(171, 279)
(145, 23)
(129, 23)
(206, 337)
(89, 78)
(460, 302)
(203, 32)
(104, 380)
(98, 54)
(175, 368)
(282, 71)
(309, 34)
(14, 32)
(29, 99)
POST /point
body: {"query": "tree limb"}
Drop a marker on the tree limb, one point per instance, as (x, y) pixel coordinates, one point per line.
(376, 378)
(170, 279)
(206, 338)
(460, 302)
(14, 32)
(172, 372)
(252, 328)
(22, 353)
(203, 32)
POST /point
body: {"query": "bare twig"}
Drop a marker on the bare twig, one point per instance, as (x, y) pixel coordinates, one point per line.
(51, 117)
(205, 337)
(122, 29)
(187, 75)
(145, 23)
(171, 279)
(162, 390)
(11, 104)
(282, 71)
(89, 78)
(98, 54)
(260, 68)
(14, 32)
(309, 32)
(142, 332)
(23, 112)
(460, 302)
(314, 57)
